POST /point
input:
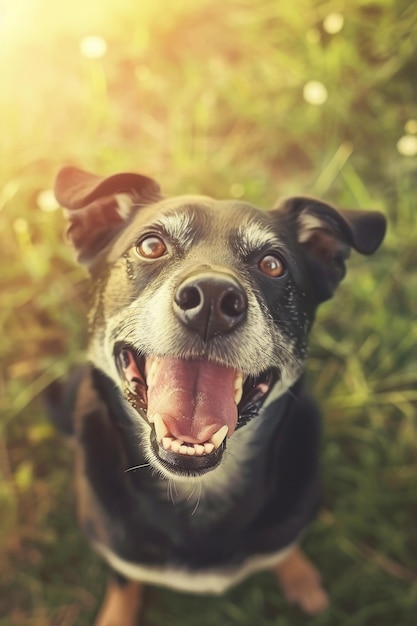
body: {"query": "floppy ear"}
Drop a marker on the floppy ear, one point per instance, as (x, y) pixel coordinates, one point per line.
(99, 207)
(327, 236)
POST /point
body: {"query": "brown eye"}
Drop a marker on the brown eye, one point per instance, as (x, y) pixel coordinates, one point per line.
(151, 247)
(272, 266)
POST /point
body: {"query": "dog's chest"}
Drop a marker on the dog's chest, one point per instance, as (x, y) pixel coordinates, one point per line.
(201, 522)
(201, 538)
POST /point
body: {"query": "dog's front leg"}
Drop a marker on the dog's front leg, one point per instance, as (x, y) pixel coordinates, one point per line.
(122, 603)
(301, 582)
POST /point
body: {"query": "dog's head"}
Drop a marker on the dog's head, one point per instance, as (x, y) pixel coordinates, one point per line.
(202, 307)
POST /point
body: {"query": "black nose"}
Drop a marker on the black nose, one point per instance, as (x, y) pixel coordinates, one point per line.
(210, 303)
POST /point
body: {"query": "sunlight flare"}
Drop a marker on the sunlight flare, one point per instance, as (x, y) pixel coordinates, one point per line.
(407, 145)
(315, 93)
(333, 23)
(93, 47)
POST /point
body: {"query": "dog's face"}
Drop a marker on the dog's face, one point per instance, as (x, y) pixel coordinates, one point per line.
(202, 308)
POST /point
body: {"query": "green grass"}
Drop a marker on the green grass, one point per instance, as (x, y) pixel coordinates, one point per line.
(210, 99)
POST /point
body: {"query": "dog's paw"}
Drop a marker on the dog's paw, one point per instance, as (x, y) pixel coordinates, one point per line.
(121, 606)
(301, 583)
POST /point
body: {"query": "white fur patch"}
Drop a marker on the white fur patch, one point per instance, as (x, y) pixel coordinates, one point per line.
(308, 223)
(179, 226)
(214, 581)
(254, 236)
(124, 205)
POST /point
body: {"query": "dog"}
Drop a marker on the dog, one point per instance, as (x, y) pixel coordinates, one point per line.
(196, 445)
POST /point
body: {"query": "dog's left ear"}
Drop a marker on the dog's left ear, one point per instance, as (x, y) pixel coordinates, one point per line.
(327, 236)
(99, 207)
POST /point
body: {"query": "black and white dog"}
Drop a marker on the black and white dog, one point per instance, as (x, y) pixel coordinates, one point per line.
(196, 447)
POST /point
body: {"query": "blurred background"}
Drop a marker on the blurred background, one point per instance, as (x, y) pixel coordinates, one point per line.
(255, 99)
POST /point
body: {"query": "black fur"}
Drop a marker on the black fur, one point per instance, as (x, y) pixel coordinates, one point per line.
(145, 312)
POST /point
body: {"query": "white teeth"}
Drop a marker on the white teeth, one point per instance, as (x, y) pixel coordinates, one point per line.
(195, 449)
(238, 395)
(217, 438)
(132, 386)
(168, 442)
(160, 429)
(150, 370)
(238, 388)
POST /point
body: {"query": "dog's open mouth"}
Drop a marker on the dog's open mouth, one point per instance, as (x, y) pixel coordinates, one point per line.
(192, 405)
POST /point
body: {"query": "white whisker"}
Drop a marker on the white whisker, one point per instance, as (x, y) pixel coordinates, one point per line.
(135, 467)
(198, 499)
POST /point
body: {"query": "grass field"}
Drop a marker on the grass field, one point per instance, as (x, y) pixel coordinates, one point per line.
(254, 99)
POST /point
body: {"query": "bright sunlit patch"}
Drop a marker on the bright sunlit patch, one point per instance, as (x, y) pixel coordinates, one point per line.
(333, 23)
(237, 190)
(315, 92)
(93, 47)
(12, 23)
(407, 145)
(46, 201)
(411, 127)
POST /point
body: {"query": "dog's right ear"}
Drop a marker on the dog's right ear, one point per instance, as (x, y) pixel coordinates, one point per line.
(99, 207)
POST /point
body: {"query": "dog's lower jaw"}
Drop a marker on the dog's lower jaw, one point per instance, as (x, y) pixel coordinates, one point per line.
(222, 477)
(221, 480)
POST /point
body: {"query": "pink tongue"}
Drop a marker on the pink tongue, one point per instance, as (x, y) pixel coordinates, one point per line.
(194, 398)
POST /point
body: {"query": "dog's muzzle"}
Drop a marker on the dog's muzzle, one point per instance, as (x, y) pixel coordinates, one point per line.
(193, 405)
